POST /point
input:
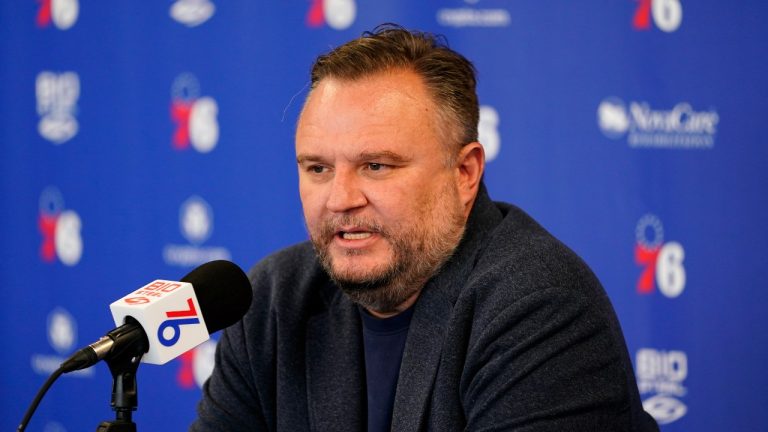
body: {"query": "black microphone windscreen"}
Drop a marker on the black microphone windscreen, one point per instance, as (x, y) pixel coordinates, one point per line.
(223, 292)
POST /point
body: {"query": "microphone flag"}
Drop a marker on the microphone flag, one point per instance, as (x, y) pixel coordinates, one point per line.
(170, 314)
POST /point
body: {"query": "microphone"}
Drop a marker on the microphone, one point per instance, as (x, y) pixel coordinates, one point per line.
(164, 319)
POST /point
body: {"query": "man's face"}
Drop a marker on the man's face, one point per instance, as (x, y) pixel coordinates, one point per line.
(382, 208)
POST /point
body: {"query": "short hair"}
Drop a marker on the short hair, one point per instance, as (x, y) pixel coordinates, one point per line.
(448, 76)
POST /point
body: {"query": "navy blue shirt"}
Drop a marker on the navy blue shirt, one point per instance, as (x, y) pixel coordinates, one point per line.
(384, 341)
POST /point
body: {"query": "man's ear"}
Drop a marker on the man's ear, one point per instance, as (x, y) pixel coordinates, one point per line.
(470, 165)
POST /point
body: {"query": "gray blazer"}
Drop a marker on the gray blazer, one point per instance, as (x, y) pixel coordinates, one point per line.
(514, 333)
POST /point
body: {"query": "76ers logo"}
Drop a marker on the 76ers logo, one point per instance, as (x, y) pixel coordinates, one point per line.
(63, 13)
(169, 331)
(195, 116)
(196, 365)
(666, 14)
(60, 229)
(338, 14)
(662, 262)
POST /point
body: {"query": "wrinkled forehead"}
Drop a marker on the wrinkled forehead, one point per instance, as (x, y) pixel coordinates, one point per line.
(383, 114)
(399, 95)
(382, 95)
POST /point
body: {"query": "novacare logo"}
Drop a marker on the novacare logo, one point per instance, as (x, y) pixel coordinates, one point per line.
(196, 223)
(645, 127)
(62, 336)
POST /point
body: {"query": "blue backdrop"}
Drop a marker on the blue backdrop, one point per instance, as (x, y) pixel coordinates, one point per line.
(140, 139)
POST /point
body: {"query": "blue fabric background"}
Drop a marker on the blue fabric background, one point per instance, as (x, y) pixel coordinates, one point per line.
(552, 72)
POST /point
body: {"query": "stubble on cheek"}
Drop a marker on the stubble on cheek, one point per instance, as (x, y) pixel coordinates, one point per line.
(414, 252)
(328, 230)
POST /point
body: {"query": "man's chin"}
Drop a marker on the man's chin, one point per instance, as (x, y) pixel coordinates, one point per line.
(382, 294)
(361, 267)
(359, 273)
(359, 277)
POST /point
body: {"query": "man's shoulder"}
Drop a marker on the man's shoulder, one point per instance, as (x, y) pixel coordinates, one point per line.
(292, 257)
(288, 276)
(522, 238)
(526, 279)
(523, 257)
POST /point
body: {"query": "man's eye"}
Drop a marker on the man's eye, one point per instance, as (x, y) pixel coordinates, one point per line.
(317, 169)
(375, 166)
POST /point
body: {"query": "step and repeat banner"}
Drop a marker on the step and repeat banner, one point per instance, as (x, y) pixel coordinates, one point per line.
(141, 139)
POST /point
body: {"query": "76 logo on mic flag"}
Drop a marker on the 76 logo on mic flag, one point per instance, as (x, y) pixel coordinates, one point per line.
(169, 313)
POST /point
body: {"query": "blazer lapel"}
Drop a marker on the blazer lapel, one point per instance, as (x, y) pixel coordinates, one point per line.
(420, 360)
(431, 318)
(335, 368)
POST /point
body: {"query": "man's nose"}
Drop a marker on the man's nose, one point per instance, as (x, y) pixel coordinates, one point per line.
(346, 193)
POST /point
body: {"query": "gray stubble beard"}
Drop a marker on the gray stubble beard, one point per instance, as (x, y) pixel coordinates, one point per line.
(412, 265)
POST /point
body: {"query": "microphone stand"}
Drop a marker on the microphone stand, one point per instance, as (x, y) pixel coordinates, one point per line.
(125, 396)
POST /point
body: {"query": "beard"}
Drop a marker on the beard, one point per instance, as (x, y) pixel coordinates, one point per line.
(417, 251)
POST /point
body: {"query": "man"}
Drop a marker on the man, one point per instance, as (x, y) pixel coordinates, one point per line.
(420, 304)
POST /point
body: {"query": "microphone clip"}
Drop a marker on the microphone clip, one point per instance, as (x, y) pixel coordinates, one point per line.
(123, 365)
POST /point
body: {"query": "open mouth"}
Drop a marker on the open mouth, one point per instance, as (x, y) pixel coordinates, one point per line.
(358, 235)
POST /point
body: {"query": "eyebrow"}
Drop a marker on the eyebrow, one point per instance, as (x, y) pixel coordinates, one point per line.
(386, 154)
(363, 156)
(302, 158)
